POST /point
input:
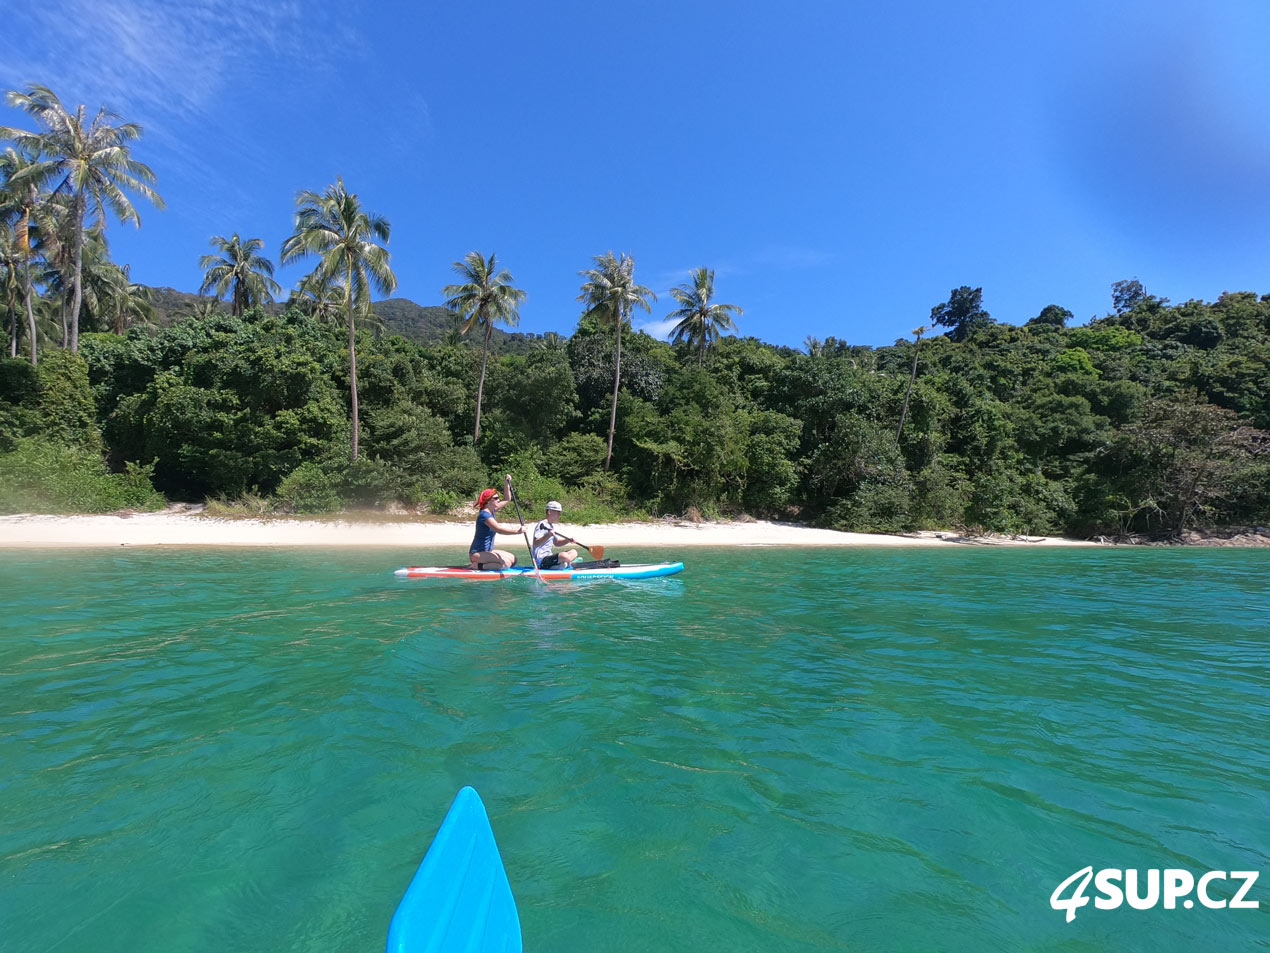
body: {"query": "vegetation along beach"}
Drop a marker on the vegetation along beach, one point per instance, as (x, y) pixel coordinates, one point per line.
(864, 465)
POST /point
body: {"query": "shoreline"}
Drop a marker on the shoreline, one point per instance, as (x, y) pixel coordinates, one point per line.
(169, 528)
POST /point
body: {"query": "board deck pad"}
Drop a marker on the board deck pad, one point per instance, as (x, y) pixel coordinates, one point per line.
(517, 572)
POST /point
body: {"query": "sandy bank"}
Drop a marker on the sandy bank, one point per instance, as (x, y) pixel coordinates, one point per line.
(190, 529)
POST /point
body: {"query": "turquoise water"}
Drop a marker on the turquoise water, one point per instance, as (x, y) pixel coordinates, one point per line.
(779, 750)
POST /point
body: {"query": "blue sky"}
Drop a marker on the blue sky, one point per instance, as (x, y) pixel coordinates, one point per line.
(841, 165)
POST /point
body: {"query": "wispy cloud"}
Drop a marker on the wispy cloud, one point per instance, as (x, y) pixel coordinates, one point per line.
(658, 329)
(769, 259)
(668, 278)
(158, 58)
(184, 71)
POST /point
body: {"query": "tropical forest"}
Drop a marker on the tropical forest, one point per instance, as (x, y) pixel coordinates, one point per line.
(1149, 421)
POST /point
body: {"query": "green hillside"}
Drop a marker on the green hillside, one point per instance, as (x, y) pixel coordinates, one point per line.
(422, 324)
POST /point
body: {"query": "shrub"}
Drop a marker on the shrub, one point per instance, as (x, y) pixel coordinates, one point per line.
(309, 489)
(443, 501)
(42, 477)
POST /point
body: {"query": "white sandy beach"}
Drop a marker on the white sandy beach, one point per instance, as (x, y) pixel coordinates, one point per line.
(171, 528)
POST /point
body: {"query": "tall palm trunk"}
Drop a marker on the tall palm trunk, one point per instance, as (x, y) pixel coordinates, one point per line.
(480, 387)
(617, 381)
(13, 327)
(78, 297)
(701, 350)
(911, 377)
(30, 308)
(24, 244)
(352, 357)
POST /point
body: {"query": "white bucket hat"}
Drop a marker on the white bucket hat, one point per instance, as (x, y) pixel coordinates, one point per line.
(553, 505)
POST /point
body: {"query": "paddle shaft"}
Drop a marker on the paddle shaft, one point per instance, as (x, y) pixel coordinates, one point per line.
(520, 519)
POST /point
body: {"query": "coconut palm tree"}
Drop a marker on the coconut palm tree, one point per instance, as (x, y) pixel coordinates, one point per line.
(318, 297)
(240, 271)
(57, 271)
(202, 309)
(22, 202)
(333, 226)
(90, 161)
(122, 301)
(609, 293)
(700, 319)
(485, 297)
(550, 341)
(10, 282)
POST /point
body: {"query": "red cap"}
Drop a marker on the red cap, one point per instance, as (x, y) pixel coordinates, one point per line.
(485, 497)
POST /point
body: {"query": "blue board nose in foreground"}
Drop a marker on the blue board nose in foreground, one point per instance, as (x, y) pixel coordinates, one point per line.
(459, 900)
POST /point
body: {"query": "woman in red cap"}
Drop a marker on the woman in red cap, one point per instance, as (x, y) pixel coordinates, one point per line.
(482, 552)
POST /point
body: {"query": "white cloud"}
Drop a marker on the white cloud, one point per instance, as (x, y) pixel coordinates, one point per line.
(658, 329)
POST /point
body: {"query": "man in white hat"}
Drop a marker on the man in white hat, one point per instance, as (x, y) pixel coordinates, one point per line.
(546, 539)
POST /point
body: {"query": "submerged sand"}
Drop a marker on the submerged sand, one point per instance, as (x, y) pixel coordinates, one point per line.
(171, 528)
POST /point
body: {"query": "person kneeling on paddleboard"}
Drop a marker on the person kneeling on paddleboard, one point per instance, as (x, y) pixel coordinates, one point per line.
(482, 553)
(546, 538)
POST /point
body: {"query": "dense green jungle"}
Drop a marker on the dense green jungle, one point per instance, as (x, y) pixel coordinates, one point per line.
(1151, 420)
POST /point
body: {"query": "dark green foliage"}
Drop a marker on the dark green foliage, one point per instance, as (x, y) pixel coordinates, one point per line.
(963, 313)
(1051, 316)
(646, 365)
(65, 412)
(1146, 420)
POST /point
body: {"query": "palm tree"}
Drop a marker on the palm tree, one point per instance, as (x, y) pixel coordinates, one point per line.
(10, 281)
(550, 341)
(23, 201)
(320, 297)
(123, 301)
(609, 294)
(202, 309)
(240, 269)
(485, 298)
(92, 162)
(701, 320)
(333, 226)
(918, 332)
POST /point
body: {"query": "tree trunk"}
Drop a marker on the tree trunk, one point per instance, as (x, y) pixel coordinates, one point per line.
(352, 359)
(78, 298)
(911, 377)
(480, 387)
(701, 349)
(30, 309)
(13, 327)
(617, 382)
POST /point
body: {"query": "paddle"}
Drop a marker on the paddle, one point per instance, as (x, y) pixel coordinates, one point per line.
(596, 551)
(521, 520)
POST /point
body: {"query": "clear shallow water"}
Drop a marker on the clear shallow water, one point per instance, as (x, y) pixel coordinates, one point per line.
(244, 750)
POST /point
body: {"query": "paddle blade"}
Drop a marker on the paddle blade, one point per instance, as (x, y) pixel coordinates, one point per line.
(597, 552)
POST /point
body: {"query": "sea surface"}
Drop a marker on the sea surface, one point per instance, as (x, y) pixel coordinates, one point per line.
(778, 750)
